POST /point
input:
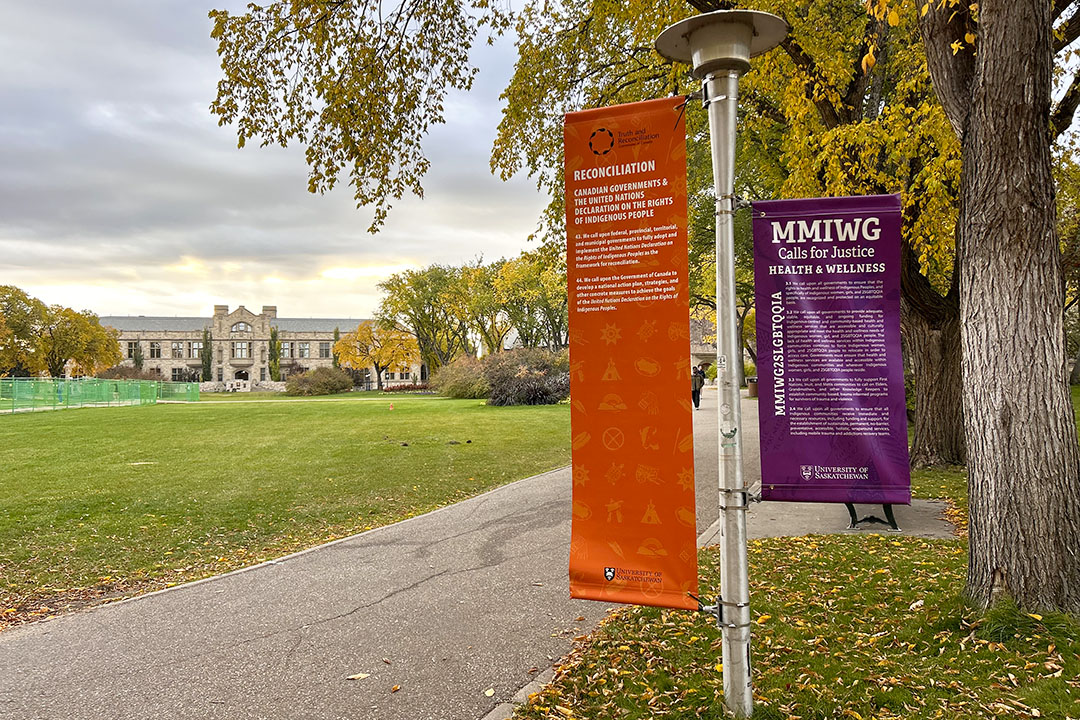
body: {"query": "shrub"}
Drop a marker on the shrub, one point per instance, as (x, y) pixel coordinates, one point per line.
(463, 379)
(320, 381)
(527, 376)
(127, 372)
(413, 388)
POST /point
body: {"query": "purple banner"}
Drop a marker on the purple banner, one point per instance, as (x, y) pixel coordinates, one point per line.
(830, 375)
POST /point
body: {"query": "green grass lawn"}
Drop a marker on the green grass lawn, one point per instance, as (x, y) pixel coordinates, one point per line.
(101, 502)
(262, 396)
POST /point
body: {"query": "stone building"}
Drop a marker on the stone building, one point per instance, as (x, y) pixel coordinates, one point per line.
(240, 344)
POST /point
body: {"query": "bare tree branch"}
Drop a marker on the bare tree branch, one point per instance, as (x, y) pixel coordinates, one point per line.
(1062, 116)
(952, 72)
(1069, 32)
(1060, 6)
(829, 114)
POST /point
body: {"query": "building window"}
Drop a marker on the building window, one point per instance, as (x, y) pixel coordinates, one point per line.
(303, 350)
(389, 375)
(241, 350)
(404, 374)
(262, 374)
(195, 349)
(241, 327)
(220, 375)
(286, 349)
(324, 349)
(131, 349)
(177, 374)
(155, 350)
(178, 350)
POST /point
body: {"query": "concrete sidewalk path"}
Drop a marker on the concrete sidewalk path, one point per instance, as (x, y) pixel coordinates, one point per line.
(445, 607)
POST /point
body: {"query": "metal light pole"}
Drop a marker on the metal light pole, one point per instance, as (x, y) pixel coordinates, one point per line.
(719, 46)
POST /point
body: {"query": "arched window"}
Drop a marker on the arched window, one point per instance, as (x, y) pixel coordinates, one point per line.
(241, 327)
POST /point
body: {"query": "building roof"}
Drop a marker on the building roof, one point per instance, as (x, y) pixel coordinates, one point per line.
(316, 324)
(149, 323)
(136, 323)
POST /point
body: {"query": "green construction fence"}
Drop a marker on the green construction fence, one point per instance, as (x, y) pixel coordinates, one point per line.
(26, 394)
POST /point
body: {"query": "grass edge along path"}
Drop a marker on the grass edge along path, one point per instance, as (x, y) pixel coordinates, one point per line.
(846, 626)
(102, 504)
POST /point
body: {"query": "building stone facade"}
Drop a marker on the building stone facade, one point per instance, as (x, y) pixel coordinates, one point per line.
(240, 344)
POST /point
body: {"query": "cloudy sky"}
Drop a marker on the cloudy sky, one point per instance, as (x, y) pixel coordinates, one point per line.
(120, 194)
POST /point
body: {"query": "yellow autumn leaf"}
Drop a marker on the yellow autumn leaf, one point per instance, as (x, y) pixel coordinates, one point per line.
(925, 8)
(956, 46)
(1033, 615)
(894, 18)
(761, 620)
(969, 38)
(395, 688)
(719, 667)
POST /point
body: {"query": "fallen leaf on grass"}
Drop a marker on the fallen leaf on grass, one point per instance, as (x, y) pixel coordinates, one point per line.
(359, 676)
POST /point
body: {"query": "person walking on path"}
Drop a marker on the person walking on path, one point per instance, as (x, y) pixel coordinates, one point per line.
(697, 381)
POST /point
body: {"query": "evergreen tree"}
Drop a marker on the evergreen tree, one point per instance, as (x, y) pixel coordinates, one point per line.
(206, 355)
(275, 355)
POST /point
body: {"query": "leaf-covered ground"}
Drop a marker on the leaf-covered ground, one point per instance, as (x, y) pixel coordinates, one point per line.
(846, 626)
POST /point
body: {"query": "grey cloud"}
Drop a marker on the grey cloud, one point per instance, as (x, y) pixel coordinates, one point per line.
(110, 162)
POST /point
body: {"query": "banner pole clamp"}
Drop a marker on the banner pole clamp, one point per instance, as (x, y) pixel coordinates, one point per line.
(745, 496)
(717, 611)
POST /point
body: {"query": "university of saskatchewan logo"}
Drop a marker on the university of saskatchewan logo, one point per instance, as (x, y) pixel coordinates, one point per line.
(609, 574)
(807, 471)
(601, 141)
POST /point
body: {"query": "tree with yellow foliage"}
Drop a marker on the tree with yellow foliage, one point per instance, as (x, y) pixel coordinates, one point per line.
(820, 116)
(40, 338)
(378, 346)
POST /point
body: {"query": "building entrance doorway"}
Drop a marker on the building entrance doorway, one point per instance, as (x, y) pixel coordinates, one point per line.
(241, 375)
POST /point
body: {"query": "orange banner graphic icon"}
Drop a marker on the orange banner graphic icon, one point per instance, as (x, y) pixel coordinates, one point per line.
(634, 538)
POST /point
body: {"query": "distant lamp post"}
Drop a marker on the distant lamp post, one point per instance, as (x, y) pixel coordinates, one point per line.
(719, 46)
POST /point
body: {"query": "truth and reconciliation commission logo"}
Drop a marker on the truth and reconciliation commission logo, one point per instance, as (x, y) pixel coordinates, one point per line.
(601, 141)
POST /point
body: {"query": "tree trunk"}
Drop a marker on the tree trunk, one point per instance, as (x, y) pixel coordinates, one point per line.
(934, 349)
(1021, 434)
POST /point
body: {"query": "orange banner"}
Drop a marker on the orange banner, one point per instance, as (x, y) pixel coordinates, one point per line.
(634, 535)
